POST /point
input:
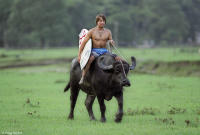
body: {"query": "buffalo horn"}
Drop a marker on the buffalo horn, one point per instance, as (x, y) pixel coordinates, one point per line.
(133, 60)
(105, 67)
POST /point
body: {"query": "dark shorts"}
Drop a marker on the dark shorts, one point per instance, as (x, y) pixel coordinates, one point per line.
(100, 51)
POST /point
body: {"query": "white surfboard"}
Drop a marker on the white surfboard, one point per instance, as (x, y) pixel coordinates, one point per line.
(87, 49)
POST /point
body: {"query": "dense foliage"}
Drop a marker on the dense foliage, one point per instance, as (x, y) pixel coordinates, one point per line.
(49, 23)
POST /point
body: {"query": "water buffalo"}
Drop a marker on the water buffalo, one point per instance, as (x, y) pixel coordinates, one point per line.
(105, 79)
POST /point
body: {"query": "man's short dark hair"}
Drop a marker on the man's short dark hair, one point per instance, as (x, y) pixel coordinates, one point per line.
(100, 16)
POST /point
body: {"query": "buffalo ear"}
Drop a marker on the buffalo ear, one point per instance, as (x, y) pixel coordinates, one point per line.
(133, 60)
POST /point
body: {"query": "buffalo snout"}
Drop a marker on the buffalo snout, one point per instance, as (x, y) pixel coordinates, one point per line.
(126, 83)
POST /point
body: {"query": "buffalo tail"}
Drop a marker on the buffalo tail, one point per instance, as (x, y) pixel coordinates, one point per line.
(67, 87)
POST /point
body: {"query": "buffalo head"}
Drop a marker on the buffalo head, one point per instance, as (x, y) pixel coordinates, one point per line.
(118, 69)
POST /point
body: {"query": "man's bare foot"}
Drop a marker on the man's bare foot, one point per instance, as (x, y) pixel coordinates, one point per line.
(81, 81)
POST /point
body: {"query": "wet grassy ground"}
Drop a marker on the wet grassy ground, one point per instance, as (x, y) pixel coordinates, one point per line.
(32, 101)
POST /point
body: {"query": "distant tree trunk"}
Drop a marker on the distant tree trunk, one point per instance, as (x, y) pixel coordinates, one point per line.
(42, 42)
(116, 31)
(6, 46)
(197, 38)
(1, 37)
(1, 43)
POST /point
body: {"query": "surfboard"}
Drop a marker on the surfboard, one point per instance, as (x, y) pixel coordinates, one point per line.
(87, 49)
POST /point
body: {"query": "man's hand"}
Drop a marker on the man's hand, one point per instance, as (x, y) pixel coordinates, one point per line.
(79, 58)
(112, 42)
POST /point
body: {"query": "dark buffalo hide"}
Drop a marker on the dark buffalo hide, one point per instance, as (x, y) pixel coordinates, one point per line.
(105, 79)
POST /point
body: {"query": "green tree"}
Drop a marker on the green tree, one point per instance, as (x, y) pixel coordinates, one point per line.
(191, 9)
(29, 23)
(38, 23)
(5, 7)
(168, 23)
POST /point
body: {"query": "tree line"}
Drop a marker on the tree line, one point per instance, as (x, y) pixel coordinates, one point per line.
(52, 23)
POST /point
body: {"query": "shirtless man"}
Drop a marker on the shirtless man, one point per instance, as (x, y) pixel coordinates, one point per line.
(100, 36)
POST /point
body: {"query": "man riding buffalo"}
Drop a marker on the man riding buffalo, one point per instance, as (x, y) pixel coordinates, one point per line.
(100, 36)
(104, 76)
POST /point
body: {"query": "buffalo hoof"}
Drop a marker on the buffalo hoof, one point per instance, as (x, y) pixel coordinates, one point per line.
(118, 120)
(70, 117)
(92, 119)
(103, 120)
(118, 117)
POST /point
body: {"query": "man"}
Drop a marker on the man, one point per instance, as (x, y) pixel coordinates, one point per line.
(100, 36)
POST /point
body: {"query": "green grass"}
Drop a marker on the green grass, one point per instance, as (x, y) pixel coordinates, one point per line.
(9, 57)
(32, 99)
(29, 54)
(157, 54)
(47, 111)
(163, 54)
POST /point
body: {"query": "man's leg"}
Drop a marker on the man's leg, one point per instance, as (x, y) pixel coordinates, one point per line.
(117, 58)
(91, 59)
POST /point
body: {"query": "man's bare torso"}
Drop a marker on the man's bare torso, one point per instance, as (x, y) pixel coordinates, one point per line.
(100, 37)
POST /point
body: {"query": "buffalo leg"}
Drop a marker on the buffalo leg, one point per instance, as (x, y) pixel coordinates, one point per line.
(119, 114)
(102, 108)
(73, 98)
(88, 103)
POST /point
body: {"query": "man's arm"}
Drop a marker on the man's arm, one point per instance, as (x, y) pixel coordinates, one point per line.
(88, 36)
(110, 38)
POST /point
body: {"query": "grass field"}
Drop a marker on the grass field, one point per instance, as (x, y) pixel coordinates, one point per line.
(32, 100)
(158, 54)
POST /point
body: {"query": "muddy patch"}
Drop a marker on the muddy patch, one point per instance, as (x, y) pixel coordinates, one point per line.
(143, 111)
(176, 68)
